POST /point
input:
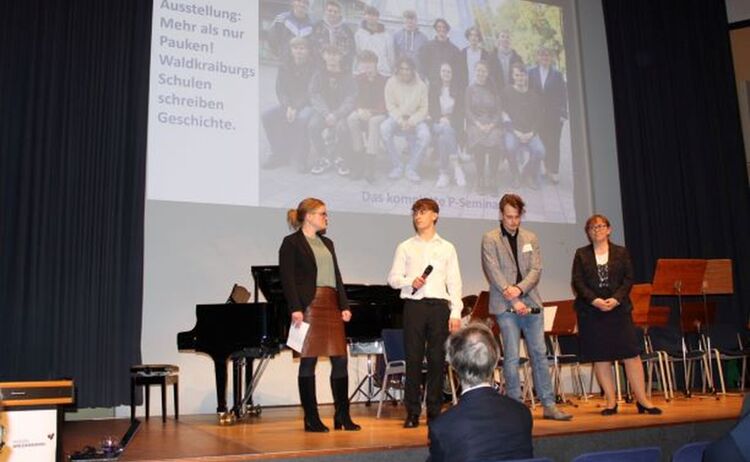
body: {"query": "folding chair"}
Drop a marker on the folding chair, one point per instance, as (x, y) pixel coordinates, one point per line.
(394, 356)
(562, 348)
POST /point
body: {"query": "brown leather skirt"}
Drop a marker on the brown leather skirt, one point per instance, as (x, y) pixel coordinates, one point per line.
(326, 335)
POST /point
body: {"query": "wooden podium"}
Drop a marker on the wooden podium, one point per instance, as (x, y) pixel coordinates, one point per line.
(30, 414)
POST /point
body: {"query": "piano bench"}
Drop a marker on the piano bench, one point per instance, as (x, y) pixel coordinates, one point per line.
(154, 374)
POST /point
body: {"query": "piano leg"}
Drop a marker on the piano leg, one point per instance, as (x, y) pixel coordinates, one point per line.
(237, 364)
(220, 369)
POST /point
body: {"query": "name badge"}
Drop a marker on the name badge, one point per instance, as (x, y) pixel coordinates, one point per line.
(526, 248)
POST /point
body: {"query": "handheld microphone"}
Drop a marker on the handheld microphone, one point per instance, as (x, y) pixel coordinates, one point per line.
(532, 310)
(426, 273)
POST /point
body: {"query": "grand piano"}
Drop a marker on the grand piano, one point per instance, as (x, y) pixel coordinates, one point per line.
(244, 332)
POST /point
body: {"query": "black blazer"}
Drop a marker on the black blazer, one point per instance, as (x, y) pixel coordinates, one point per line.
(483, 426)
(496, 73)
(585, 278)
(299, 272)
(554, 95)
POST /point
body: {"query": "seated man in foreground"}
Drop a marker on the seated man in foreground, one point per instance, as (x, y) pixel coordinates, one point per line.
(484, 425)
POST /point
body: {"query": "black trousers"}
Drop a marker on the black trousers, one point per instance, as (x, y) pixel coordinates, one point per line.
(425, 332)
(549, 133)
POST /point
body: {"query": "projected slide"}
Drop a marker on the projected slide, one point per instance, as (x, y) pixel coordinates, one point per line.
(365, 104)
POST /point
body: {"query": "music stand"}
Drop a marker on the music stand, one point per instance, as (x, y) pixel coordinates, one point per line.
(717, 280)
(680, 277)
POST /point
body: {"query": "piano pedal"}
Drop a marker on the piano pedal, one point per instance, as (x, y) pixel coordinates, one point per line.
(226, 418)
(253, 410)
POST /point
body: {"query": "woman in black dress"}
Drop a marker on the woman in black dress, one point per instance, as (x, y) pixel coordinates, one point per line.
(315, 293)
(602, 278)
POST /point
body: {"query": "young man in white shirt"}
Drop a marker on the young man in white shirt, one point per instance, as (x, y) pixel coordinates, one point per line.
(432, 306)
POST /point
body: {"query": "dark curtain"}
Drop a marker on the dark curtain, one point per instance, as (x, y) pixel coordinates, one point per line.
(73, 99)
(681, 160)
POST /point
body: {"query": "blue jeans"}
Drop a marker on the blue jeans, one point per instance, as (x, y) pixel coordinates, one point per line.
(445, 144)
(532, 326)
(418, 139)
(516, 151)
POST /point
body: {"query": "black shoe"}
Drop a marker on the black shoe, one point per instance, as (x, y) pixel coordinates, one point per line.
(412, 421)
(369, 168)
(609, 410)
(342, 418)
(310, 405)
(647, 410)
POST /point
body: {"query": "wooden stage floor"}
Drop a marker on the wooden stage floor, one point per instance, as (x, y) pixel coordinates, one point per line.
(278, 432)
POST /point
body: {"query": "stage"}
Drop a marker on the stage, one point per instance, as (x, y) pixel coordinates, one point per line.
(278, 433)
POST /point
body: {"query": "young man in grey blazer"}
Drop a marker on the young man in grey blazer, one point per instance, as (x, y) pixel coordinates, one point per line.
(512, 264)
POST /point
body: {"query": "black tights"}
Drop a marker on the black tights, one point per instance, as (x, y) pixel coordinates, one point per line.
(338, 367)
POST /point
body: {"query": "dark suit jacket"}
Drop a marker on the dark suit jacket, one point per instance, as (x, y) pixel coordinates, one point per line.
(484, 426)
(496, 73)
(586, 279)
(554, 95)
(299, 272)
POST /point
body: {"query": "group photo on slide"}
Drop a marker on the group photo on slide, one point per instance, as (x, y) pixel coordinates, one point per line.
(368, 102)
(375, 230)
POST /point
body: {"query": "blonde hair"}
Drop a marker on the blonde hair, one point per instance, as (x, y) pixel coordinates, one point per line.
(295, 217)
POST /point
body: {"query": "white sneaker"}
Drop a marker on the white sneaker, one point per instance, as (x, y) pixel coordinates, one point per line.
(443, 181)
(411, 175)
(459, 174)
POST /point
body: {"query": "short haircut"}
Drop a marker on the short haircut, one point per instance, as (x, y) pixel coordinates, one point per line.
(474, 29)
(596, 217)
(372, 11)
(515, 201)
(367, 56)
(443, 21)
(473, 353)
(593, 219)
(520, 66)
(425, 203)
(410, 14)
(334, 3)
(299, 41)
(406, 60)
(331, 49)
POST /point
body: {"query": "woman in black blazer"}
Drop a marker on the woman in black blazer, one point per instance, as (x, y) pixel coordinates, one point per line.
(602, 278)
(315, 293)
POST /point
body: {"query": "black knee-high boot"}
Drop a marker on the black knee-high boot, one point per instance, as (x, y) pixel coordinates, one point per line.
(310, 405)
(340, 390)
